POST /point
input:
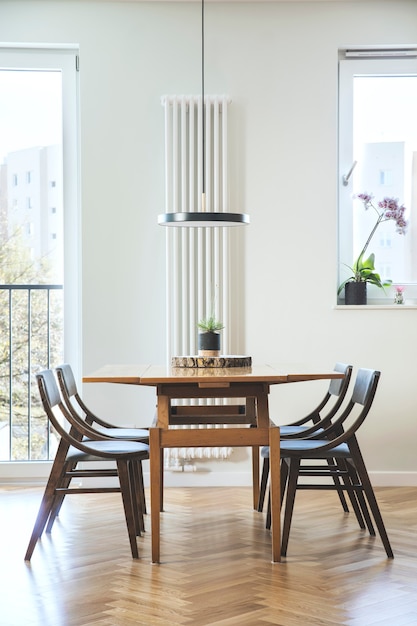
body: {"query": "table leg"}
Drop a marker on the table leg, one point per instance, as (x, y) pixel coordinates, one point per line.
(155, 453)
(163, 411)
(275, 492)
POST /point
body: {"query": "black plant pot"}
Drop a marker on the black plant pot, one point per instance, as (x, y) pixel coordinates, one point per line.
(209, 344)
(355, 293)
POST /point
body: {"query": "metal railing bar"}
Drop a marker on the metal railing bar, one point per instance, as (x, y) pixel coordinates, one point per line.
(28, 345)
(12, 287)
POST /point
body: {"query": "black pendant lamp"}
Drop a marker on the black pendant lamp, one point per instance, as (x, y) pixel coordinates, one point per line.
(203, 218)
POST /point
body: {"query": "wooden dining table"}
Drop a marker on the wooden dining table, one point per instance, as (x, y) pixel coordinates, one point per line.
(236, 397)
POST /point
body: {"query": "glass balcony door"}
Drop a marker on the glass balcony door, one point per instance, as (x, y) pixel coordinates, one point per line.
(39, 252)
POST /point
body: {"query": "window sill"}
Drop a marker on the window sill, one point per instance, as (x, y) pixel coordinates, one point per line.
(375, 306)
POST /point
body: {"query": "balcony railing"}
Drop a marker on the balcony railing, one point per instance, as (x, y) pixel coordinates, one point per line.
(31, 339)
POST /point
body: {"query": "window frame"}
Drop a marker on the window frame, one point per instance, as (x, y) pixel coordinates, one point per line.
(64, 59)
(362, 63)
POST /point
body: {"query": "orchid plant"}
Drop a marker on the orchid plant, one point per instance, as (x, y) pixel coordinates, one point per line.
(364, 268)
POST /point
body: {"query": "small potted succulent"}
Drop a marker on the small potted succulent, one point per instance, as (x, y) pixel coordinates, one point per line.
(363, 269)
(209, 336)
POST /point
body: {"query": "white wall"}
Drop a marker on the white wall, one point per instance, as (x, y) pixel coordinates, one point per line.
(278, 62)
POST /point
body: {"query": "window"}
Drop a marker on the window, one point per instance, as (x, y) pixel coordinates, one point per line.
(44, 81)
(385, 240)
(385, 269)
(378, 138)
(385, 178)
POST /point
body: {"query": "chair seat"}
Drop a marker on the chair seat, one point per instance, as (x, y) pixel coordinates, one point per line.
(292, 430)
(308, 447)
(108, 446)
(265, 452)
(133, 434)
(285, 431)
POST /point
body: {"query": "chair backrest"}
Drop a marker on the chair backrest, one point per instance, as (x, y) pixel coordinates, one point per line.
(337, 389)
(48, 389)
(53, 405)
(60, 417)
(69, 389)
(71, 396)
(51, 398)
(365, 386)
(66, 379)
(363, 395)
(339, 386)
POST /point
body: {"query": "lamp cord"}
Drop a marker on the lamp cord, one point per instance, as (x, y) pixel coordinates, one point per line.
(203, 104)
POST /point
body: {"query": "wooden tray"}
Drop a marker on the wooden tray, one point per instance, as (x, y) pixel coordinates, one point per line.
(211, 361)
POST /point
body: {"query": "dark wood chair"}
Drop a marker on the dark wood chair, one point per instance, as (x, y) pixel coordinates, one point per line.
(300, 459)
(82, 413)
(73, 449)
(311, 423)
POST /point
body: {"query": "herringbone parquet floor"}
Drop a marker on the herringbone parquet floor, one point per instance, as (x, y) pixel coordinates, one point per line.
(216, 566)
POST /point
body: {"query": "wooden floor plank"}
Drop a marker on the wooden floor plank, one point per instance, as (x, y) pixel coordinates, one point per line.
(216, 564)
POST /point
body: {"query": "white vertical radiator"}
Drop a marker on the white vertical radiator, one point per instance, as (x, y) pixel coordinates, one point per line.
(198, 260)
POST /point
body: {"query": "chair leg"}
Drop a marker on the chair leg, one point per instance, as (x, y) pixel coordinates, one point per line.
(283, 480)
(136, 496)
(142, 487)
(340, 492)
(294, 465)
(356, 494)
(263, 485)
(124, 478)
(370, 495)
(59, 498)
(48, 499)
(268, 513)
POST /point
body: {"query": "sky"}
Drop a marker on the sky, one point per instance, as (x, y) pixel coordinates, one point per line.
(385, 109)
(30, 109)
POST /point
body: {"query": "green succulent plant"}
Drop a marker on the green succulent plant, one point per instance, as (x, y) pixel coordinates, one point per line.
(210, 325)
